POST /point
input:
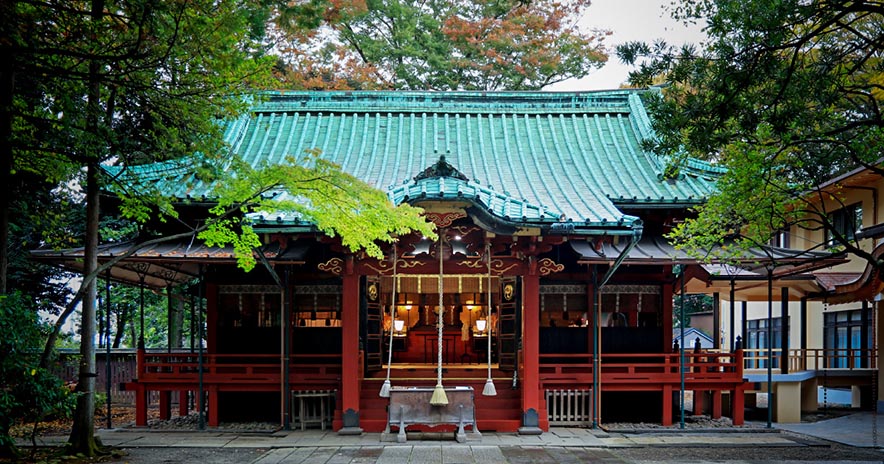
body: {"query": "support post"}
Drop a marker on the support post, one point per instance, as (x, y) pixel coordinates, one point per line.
(286, 327)
(732, 336)
(596, 348)
(165, 404)
(107, 349)
(864, 336)
(716, 321)
(770, 394)
(350, 383)
(166, 396)
(141, 310)
(716, 404)
(213, 406)
(531, 354)
(201, 423)
(877, 391)
(681, 347)
(744, 310)
(699, 401)
(738, 398)
(802, 336)
(784, 330)
(140, 406)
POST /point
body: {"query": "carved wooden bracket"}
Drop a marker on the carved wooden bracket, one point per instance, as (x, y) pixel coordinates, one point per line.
(444, 219)
(547, 266)
(334, 266)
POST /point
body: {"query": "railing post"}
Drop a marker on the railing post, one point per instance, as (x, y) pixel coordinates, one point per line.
(139, 363)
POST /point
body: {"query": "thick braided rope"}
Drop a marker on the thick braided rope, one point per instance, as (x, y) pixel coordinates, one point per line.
(392, 313)
(488, 324)
(439, 320)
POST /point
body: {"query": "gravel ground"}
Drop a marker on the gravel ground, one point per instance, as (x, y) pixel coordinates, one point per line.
(512, 455)
(197, 455)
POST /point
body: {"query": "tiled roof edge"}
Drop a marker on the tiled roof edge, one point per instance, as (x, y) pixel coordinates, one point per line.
(611, 101)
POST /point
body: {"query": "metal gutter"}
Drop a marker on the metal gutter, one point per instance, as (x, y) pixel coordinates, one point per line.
(637, 230)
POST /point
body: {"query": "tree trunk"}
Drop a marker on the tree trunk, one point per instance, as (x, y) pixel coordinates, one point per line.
(7, 88)
(122, 320)
(82, 439)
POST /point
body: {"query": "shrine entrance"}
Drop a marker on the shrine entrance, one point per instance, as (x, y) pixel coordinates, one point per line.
(408, 313)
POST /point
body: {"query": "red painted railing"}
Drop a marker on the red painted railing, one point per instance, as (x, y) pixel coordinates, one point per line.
(235, 368)
(713, 370)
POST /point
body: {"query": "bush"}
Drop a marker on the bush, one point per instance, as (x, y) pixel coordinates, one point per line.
(28, 393)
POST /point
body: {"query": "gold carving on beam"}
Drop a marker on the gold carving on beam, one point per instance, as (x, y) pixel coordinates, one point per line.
(497, 266)
(474, 264)
(444, 219)
(382, 269)
(548, 266)
(498, 269)
(410, 263)
(334, 265)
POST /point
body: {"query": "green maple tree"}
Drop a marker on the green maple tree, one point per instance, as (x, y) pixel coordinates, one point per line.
(784, 93)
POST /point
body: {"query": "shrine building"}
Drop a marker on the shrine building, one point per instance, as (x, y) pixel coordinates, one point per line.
(551, 278)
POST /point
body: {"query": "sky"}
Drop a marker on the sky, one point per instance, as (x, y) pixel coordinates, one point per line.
(629, 20)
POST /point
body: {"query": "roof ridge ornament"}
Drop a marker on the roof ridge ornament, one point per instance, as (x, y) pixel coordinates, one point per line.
(441, 168)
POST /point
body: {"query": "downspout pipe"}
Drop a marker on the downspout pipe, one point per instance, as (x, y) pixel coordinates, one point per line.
(637, 230)
(597, 343)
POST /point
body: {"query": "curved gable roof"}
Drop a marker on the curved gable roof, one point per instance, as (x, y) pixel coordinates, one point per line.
(531, 156)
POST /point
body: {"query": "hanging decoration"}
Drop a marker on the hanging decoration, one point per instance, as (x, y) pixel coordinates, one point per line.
(489, 389)
(439, 397)
(385, 388)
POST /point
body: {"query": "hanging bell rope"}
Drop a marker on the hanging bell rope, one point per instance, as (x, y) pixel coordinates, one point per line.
(385, 388)
(439, 397)
(489, 389)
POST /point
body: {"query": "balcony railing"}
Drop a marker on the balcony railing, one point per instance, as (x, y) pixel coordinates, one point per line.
(813, 359)
(645, 368)
(184, 367)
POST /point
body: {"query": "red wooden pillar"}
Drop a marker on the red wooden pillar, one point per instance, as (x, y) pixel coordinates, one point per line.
(699, 399)
(140, 406)
(534, 418)
(140, 392)
(140, 363)
(213, 406)
(716, 404)
(737, 399)
(667, 405)
(351, 380)
(165, 405)
(182, 403)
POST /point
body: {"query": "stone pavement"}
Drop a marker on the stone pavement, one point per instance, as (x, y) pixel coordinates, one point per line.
(562, 445)
(556, 437)
(862, 429)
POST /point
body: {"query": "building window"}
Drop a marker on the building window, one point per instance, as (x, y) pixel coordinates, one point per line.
(844, 222)
(756, 339)
(843, 342)
(780, 239)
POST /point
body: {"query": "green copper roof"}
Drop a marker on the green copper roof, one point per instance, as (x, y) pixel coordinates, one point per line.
(529, 157)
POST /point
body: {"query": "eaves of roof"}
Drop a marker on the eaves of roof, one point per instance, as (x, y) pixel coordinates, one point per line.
(167, 263)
